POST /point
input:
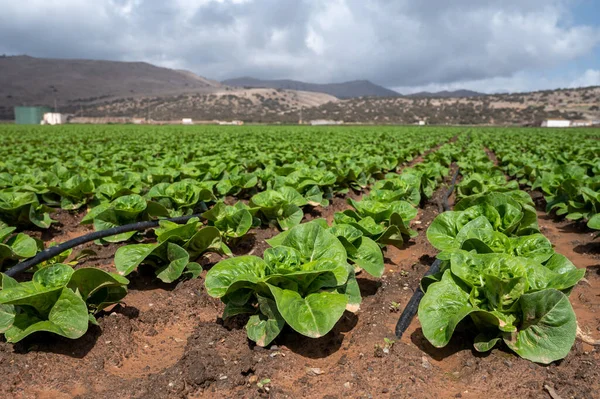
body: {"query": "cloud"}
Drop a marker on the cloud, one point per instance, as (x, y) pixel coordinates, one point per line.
(591, 77)
(397, 43)
(519, 82)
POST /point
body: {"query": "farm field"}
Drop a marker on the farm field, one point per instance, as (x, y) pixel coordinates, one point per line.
(297, 250)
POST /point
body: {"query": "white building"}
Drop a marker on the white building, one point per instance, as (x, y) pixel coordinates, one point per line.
(556, 123)
(322, 122)
(187, 121)
(422, 123)
(54, 118)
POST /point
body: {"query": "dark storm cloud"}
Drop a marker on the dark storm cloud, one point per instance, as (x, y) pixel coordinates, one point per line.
(392, 42)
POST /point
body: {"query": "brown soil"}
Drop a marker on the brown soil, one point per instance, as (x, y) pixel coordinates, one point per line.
(168, 341)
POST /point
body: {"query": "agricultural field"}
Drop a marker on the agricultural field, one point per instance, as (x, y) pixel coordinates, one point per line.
(276, 261)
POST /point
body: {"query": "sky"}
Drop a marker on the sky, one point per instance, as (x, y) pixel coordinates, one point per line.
(405, 45)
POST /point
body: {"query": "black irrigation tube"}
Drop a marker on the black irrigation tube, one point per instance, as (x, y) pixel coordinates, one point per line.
(413, 304)
(51, 252)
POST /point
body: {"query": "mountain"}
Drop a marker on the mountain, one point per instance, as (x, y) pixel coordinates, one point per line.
(447, 94)
(27, 80)
(353, 89)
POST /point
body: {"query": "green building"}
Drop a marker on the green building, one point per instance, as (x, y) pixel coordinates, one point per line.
(30, 115)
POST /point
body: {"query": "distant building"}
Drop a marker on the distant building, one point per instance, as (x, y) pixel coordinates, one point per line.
(324, 122)
(556, 123)
(581, 123)
(54, 118)
(30, 115)
(236, 123)
(187, 121)
(422, 123)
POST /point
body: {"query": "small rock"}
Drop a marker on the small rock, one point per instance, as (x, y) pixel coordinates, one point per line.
(458, 395)
(385, 390)
(253, 379)
(313, 371)
(508, 363)
(274, 347)
(223, 377)
(425, 363)
(343, 360)
(347, 385)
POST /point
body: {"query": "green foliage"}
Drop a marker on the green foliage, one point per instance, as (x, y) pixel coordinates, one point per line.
(15, 247)
(502, 274)
(232, 221)
(121, 211)
(173, 255)
(303, 281)
(281, 206)
(57, 300)
(23, 208)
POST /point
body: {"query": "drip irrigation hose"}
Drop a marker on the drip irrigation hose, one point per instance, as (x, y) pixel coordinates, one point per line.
(51, 252)
(413, 304)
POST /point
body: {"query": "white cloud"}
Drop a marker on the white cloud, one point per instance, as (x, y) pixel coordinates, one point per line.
(398, 43)
(591, 77)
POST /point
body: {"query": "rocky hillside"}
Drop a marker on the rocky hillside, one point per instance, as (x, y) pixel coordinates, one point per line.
(108, 89)
(284, 106)
(39, 81)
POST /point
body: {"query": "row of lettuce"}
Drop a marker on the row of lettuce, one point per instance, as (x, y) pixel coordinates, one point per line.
(302, 280)
(132, 173)
(499, 275)
(563, 165)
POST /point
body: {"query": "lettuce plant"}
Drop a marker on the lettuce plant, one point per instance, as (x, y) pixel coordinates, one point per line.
(483, 183)
(71, 193)
(491, 223)
(57, 300)
(304, 281)
(123, 210)
(23, 209)
(405, 186)
(314, 184)
(232, 221)
(233, 183)
(517, 300)
(363, 252)
(281, 206)
(173, 255)
(183, 197)
(15, 247)
(386, 223)
(570, 192)
(499, 272)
